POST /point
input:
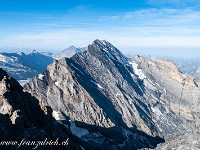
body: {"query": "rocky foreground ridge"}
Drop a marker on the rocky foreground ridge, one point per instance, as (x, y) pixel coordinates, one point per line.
(110, 101)
(23, 119)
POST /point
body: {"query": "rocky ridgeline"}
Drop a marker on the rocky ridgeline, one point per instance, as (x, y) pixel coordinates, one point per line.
(178, 93)
(96, 92)
(24, 118)
(115, 102)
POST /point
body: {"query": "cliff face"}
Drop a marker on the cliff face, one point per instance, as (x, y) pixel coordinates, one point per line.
(181, 93)
(24, 118)
(186, 141)
(116, 102)
(178, 92)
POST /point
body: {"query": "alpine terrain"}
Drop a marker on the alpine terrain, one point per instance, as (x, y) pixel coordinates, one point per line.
(115, 102)
(24, 121)
(22, 66)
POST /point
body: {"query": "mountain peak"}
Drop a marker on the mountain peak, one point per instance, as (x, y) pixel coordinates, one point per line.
(68, 52)
(101, 42)
(95, 84)
(125, 99)
(105, 45)
(34, 52)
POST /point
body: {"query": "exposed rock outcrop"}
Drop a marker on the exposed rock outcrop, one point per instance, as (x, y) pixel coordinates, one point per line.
(24, 118)
(179, 93)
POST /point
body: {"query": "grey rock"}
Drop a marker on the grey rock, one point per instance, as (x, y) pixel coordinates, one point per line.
(23, 117)
(186, 142)
(123, 103)
(179, 98)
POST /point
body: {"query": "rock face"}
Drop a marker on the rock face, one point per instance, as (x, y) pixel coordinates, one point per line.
(179, 93)
(115, 102)
(22, 117)
(188, 142)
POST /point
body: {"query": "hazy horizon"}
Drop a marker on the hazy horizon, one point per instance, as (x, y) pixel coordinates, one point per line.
(172, 53)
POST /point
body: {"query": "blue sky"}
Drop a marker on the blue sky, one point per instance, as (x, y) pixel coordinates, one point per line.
(149, 27)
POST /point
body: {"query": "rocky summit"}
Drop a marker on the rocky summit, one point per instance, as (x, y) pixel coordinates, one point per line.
(114, 102)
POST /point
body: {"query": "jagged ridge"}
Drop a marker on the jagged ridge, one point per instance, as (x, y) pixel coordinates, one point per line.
(101, 90)
(24, 117)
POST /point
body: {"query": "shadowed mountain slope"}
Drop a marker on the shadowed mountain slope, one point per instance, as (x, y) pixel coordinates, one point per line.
(116, 102)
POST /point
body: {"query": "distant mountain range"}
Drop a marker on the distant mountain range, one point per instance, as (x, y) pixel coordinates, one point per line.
(68, 52)
(99, 99)
(22, 66)
(188, 66)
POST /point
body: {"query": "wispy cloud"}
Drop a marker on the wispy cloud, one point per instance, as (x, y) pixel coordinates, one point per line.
(175, 3)
(54, 40)
(157, 17)
(150, 28)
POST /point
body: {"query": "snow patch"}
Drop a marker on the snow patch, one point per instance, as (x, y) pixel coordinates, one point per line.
(40, 76)
(184, 76)
(103, 42)
(138, 72)
(129, 101)
(80, 55)
(165, 90)
(109, 54)
(23, 82)
(56, 114)
(5, 59)
(118, 94)
(79, 132)
(156, 110)
(97, 84)
(195, 142)
(56, 83)
(20, 53)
